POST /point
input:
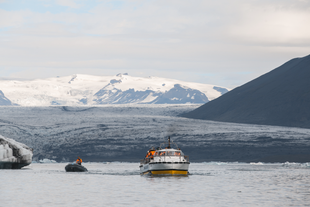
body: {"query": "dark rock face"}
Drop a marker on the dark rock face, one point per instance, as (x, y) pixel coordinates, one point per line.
(181, 95)
(176, 95)
(280, 97)
(121, 97)
(4, 101)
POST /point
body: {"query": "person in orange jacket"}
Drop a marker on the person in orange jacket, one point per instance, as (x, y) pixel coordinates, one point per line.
(152, 152)
(79, 161)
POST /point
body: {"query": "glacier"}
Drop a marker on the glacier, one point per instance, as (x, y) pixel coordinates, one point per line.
(88, 90)
(124, 132)
(14, 155)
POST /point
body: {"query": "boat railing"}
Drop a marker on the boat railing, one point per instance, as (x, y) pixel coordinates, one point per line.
(145, 160)
(170, 155)
(186, 158)
(148, 159)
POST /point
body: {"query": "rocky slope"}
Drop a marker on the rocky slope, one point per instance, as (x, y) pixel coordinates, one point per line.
(280, 97)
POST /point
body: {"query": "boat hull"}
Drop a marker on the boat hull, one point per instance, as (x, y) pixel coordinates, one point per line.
(169, 172)
(164, 168)
(75, 168)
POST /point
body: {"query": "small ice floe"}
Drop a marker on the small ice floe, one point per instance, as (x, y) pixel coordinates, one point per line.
(215, 163)
(296, 165)
(289, 164)
(45, 160)
(256, 163)
(14, 155)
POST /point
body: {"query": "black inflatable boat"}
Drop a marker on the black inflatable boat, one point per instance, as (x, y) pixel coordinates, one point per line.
(73, 167)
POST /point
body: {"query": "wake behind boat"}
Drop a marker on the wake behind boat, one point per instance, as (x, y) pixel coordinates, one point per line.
(166, 161)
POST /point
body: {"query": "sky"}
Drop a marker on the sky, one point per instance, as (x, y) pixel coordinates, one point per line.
(225, 43)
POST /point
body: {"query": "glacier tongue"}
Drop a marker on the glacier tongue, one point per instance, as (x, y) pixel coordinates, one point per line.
(14, 155)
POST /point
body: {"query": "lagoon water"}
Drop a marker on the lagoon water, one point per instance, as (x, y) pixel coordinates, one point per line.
(119, 184)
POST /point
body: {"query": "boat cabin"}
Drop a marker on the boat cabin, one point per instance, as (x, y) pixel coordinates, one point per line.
(166, 155)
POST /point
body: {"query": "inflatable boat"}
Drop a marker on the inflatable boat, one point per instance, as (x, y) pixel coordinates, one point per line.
(73, 167)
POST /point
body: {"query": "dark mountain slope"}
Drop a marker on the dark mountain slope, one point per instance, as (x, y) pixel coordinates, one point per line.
(280, 97)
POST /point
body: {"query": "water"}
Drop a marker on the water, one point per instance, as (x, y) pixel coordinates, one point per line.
(119, 184)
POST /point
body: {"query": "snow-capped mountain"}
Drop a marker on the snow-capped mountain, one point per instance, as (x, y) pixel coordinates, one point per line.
(96, 90)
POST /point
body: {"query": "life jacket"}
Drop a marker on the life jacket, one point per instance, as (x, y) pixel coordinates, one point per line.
(79, 160)
(152, 153)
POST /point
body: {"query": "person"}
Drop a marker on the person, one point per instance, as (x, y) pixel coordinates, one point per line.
(147, 154)
(152, 153)
(79, 161)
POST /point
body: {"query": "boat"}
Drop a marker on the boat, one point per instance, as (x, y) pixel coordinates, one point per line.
(167, 161)
(73, 167)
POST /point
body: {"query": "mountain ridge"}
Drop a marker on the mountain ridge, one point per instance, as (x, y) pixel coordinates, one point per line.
(80, 89)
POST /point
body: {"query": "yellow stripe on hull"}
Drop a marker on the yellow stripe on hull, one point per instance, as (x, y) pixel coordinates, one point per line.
(145, 173)
(169, 172)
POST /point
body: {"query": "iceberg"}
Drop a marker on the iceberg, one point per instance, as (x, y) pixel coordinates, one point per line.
(14, 155)
(45, 160)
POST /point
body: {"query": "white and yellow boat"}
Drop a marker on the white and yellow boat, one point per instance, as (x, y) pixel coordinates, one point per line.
(167, 161)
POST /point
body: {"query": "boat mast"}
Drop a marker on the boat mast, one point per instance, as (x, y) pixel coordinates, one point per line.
(169, 143)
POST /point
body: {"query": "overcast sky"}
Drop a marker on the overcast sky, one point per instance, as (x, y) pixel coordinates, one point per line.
(224, 42)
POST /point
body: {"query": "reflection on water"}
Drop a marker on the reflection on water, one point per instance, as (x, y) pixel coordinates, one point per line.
(120, 184)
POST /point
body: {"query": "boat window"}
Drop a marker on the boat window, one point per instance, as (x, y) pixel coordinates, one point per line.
(156, 153)
(177, 153)
(169, 153)
(174, 153)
